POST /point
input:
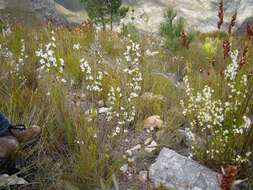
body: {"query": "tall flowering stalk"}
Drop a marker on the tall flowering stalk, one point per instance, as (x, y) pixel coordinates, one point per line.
(49, 62)
(116, 110)
(220, 123)
(134, 79)
(21, 60)
(226, 48)
(220, 14)
(93, 79)
(122, 100)
(232, 22)
(47, 56)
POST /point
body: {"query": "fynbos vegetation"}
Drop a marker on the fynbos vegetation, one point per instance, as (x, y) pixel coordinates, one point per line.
(108, 101)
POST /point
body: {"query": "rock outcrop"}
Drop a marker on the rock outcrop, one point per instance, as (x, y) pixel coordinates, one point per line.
(30, 11)
(46, 9)
(200, 14)
(175, 171)
(148, 14)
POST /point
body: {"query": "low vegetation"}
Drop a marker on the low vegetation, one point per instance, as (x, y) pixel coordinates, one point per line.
(90, 89)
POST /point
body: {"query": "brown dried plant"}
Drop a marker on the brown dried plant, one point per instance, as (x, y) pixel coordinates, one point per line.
(226, 48)
(220, 14)
(184, 39)
(88, 26)
(244, 56)
(249, 31)
(232, 22)
(228, 177)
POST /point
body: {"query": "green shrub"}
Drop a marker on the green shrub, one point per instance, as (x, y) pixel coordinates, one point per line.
(171, 30)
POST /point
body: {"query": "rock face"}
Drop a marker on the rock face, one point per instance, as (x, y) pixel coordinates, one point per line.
(147, 14)
(46, 9)
(30, 11)
(200, 14)
(6, 180)
(73, 5)
(175, 171)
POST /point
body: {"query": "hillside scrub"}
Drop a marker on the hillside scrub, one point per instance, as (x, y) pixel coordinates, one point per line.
(60, 79)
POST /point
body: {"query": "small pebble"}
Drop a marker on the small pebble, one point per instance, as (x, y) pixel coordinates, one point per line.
(124, 168)
(135, 148)
(130, 160)
(148, 141)
(151, 147)
(129, 153)
(143, 176)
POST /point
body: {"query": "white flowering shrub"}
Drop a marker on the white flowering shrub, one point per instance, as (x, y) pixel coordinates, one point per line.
(116, 111)
(17, 62)
(49, 62)
(122, 100)
(133, 79)
(93, 79)
(220, 123)
(76, 46)
(21, 60)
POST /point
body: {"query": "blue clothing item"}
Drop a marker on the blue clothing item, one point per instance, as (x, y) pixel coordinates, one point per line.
(4, 125)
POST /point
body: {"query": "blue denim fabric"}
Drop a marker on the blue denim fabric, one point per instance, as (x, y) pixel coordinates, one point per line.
(4, 125)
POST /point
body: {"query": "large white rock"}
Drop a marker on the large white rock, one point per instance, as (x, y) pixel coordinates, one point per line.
(6, 180)
(200, 14)
(153, 122)
(175, 171)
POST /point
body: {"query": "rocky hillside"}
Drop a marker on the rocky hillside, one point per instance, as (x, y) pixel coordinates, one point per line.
(148, 14)
(72, 5)
(200, 14)
(30, 11)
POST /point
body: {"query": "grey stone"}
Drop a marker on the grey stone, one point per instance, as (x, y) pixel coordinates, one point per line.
(73, 5)
(124, 168)
(136, 148)
(103, 110)
(31, 12)
(46, 9)
(6, 180)
(148, 141)
(143, 176)
(151, 147)
(175, 171)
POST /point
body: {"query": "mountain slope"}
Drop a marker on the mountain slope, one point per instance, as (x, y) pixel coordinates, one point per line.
(148, 14)
(30, 12)
(200, 14)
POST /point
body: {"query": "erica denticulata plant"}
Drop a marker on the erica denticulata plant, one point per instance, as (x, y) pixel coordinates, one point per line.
(49, 62)
(116, 111)
(20, 62)
(220, 124)
(93, 79)
(122, 100)
(134, 79)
